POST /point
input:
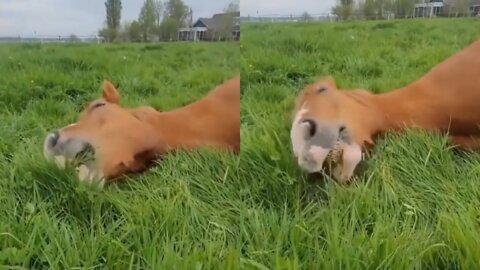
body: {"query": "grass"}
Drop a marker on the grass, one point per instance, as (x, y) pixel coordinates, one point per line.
(183, 214)
(415, 206)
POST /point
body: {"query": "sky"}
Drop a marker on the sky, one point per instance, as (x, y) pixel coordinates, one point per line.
(79, 17)
(284, 7)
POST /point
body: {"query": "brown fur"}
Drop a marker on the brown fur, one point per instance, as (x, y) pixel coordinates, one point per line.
(446, 99)
(129, 140)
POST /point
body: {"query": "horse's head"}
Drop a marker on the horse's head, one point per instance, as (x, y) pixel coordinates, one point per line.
(325, 117)
(119, 139)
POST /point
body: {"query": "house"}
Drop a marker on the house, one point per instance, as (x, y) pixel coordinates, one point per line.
(428, 8)
(475, 7)
(431, 8)
(222, 26)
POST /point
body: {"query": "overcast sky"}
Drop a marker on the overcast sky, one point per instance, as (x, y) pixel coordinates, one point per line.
(284, 7)
(80, 17)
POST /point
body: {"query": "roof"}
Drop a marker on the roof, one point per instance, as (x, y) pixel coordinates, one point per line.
(216, 21)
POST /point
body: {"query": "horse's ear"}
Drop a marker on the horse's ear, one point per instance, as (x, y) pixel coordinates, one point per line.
(110, 93)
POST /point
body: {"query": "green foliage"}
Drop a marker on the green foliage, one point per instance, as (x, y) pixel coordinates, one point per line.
(375, 9)
(148, 19)
(161, 21)
(131, 32)
(343, 9)
(227, 22)
(415, 204)
(404, 8)
(176, 9)
(114, 13)
(113, 10)
(73, 38)
(176, 14)
(182, 214)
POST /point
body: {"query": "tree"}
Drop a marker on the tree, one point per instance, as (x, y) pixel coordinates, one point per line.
(461, 7)
(113, 9)
(389, 8)
(227, 22)
(175, 17)
(158, 11)
(306, 16)
(73, 38)
(368, 9)
(168, 29)
(232, 7)
(130, 32)
(135, 32)
(109, 35)
(403, 8)
(343, 9)
(148, 19)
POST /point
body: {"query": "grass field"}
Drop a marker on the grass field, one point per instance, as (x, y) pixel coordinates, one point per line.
(183, 214)
(417, 204)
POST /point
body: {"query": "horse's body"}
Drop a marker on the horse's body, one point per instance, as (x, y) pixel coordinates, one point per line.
(444, 100)
(129, 140)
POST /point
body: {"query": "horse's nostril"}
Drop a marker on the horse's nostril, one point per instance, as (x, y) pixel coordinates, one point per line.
(53, 138)
(312, 126)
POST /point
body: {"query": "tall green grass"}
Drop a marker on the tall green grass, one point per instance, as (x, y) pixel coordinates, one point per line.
(182, 214)
(416, 205)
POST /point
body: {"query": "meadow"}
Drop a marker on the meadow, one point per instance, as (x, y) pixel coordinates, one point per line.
(182, 214)
(415, 205)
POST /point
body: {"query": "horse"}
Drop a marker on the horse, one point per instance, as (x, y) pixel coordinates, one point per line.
(127, 141)
(444, 100)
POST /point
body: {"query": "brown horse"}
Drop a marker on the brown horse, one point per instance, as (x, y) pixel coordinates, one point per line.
(445, 100)
(126, 140)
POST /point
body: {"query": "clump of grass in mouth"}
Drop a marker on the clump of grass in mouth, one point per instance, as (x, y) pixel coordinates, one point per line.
(84, 156)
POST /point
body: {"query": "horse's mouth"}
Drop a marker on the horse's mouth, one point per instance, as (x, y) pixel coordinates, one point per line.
(87, 154)
(314, 159)
(76, 154)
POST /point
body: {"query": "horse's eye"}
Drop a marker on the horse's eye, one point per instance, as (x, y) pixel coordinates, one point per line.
(342, 129)
(321, 89)
(98, 105)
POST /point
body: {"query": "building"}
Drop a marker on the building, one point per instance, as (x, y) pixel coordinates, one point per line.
(214, 28)
(429, 8)
(475, 7)
(433, 8)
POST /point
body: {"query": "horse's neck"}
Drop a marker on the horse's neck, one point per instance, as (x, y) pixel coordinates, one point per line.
(181, 128)
(407, 107)
(213, 120)
(419, 104)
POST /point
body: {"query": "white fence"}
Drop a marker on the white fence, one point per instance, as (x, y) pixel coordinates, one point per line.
(274, 18)
(51, 39)
(325, 17)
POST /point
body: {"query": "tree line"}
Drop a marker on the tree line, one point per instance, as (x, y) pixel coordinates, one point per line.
(157, 21)
(379, 9)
